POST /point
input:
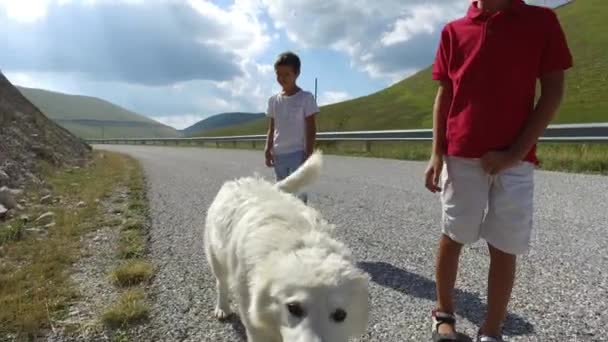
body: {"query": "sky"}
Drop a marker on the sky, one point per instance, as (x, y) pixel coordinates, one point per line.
(179, 61)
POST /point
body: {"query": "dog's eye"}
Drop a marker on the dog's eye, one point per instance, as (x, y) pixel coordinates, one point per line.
(338, 315)
(296, 310)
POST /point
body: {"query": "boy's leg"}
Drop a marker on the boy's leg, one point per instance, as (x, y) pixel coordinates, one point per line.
(301, 159)
(464, 196)
(445, 274)
(286, 164)
(500, 283)
(281, 167)
(507, 229)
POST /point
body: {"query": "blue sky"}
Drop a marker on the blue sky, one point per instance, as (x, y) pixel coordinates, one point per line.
(179, 61)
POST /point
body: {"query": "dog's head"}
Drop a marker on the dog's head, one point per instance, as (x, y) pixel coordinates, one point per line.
(312, 296)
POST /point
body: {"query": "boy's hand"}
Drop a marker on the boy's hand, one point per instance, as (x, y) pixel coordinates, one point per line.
(433, 171)
(495, 161)
(308, 153)
(269, 158)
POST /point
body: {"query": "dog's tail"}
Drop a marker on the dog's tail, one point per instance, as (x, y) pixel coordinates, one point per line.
(306, 174)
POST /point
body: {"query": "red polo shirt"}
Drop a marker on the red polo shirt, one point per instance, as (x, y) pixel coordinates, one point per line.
(493, 62)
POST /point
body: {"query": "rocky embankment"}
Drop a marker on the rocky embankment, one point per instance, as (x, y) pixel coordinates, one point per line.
(28, 139)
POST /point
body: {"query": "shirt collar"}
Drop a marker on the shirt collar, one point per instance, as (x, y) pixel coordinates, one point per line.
(475, 13)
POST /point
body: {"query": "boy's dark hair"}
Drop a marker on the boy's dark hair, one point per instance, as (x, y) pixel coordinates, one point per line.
(289, 58)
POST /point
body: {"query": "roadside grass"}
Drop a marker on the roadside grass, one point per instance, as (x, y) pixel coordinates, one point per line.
(130, 308)
(589, 158)
(133, 271)
(35, 285)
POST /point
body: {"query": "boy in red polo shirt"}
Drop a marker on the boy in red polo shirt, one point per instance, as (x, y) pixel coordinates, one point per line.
(485, 127)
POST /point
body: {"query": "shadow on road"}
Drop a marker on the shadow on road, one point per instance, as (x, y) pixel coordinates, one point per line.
(237, 325)
(469, 305)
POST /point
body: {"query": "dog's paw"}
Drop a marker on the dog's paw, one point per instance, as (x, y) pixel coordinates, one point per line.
(221, 314)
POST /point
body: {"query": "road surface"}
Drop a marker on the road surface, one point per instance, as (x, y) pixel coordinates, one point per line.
(391, 223)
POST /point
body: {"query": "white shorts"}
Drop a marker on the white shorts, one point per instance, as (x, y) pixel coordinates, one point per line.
(496, 208)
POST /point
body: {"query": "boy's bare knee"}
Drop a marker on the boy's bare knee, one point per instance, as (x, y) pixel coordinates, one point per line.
(496, 253)
(447, 243)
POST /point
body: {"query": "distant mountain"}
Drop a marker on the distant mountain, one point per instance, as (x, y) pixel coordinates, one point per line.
(221, 121)
(90, 117)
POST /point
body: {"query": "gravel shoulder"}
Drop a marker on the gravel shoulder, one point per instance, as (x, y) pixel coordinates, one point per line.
(391, 223)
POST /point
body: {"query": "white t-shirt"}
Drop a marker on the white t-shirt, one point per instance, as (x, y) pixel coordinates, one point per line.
(290, 113)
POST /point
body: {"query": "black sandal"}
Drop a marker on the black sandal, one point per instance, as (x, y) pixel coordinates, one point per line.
(439, 318)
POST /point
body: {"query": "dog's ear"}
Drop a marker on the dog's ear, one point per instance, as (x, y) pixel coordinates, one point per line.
(262, 309)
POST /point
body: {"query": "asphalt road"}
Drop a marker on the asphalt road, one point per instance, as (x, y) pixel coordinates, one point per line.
(391, 223)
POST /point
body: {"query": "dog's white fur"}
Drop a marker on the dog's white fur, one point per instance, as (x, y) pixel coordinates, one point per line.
(272, 250)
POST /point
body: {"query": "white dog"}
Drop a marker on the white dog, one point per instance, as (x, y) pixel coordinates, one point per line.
(292, 281)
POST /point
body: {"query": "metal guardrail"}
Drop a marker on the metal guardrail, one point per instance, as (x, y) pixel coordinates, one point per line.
(594, 132)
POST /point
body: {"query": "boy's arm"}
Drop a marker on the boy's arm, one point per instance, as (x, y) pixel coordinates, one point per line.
(270, 134)
(443, 99)
(555, 59)
(552, 91)
(311, 110)
(311, 134)
(269, 143)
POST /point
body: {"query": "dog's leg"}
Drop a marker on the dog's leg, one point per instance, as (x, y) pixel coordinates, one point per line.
(222, 307)
(253, 335)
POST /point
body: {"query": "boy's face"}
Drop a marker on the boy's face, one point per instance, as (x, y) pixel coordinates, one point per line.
(492, 5)
(286, 76)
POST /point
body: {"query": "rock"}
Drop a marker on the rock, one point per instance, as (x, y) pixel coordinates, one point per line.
(46, 199)
(11, 214)
(46, 217)
(81, 204)
(24, 218)
(3, 211)
(37, 231)
(7, 198)
(16, 192)
(4, 178)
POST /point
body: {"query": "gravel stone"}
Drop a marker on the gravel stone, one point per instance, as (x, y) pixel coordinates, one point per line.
(7, 198)
(391, 223)
(46, 218)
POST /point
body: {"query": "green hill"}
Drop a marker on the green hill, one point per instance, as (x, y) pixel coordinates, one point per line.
(90, 117)
(408, 104)
(220, 121)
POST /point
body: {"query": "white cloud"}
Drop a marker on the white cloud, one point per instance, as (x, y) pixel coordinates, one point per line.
(25, 11)
(423, 19)
(330, 97)
(388, 39)
(182, 93)
(248, 38)
(385, 38)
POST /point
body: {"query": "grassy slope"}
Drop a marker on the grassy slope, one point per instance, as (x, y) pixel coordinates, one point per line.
(116, 121)
(220, 121)
(408, 103)
(35, 287)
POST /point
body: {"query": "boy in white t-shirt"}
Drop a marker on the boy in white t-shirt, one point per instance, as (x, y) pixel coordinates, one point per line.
(291, 129)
